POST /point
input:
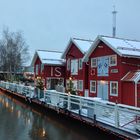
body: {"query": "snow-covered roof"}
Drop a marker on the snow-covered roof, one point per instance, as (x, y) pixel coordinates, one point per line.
(82, 44)
(48, 57)
(123, 47)
(133, 76)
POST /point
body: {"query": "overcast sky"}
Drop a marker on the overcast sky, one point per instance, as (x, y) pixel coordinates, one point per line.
(49, 24)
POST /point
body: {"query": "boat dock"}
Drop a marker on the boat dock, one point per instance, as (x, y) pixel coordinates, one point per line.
(117, 119)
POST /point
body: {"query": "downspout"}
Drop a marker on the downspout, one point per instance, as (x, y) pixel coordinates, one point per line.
(135, 94)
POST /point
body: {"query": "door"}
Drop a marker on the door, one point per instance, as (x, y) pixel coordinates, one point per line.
(86, 93)
(102, 90)
(138, 94)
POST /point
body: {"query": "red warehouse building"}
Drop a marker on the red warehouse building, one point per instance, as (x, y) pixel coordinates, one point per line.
(76, 70)
(50, 67)
(114, 74)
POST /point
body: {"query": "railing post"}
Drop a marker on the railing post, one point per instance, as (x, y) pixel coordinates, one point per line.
(80, 106)
(116, 116)
(95, 112)
(68, 102)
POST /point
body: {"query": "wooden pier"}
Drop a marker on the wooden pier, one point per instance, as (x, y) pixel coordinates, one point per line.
(85, 111)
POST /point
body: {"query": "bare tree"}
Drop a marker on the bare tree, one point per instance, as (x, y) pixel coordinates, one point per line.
(13, 51)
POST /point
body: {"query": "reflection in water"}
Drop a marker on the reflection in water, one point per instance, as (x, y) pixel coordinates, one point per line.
(20, 122)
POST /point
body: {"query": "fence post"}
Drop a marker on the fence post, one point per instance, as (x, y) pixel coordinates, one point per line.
(80, 106)
(68, 102)
(95, 112)
(116, 116)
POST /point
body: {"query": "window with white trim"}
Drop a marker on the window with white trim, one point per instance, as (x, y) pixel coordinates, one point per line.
(74, 66)
(80, 63)
(36, 69)
(80, 85)
(68, 64)
(92, 86)
(113, 88)
(93, 62)
(113, 60)
(42, 67)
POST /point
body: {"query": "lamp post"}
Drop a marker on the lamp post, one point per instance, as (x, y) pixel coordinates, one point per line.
(70, 84)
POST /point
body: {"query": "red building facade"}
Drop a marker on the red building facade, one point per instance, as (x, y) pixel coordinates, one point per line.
(50, 67)
(76, 70)
(110, 60)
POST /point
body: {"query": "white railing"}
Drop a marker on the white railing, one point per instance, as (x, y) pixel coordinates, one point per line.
(117, 115)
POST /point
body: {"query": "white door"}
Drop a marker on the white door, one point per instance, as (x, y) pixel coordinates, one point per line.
(102, 90)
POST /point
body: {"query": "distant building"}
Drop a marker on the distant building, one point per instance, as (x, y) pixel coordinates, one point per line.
(50, 67)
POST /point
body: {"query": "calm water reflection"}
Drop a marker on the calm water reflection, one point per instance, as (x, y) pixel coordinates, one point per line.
(20, 122)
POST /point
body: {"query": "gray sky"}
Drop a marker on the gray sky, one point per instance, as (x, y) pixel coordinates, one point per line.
(48, 24)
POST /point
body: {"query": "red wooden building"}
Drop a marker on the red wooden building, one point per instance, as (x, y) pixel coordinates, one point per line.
(50, 67)
(76, 70)
(114, 73)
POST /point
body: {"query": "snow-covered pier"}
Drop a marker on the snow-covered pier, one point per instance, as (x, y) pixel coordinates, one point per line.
(120, 119)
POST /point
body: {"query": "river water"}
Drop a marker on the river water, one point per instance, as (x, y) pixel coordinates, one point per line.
(18, 121)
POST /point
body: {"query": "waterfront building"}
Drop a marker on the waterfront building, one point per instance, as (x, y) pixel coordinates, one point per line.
(76, 69)
(114, 72)
(50, 67)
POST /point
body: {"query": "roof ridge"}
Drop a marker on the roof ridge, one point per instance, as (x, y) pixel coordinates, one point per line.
(50, 51)
(120, 38)
(82, 39)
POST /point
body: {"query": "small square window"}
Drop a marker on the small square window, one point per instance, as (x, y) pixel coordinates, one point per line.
(113, 60)
(93, 62)
(114, 88)
(92, 86)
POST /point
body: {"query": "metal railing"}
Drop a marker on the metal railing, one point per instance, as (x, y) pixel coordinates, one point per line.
(117, 115)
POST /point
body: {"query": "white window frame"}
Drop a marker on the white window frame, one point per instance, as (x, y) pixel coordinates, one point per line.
(91, 91)
(68, 64)
(42, 67)
(80, 87)
(75, 72)
(115, 60)
(112, 94)
(80, 64)
(94, 66)
(36, 69)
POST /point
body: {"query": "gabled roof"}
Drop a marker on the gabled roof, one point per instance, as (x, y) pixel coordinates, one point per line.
(48, 57)
(133, 76)
(82, 44)
(123, 47)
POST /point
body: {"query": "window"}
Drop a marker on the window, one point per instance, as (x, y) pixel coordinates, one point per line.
(92, 86)
(93, 62)
(114, 88)
(36, 69)
(68, 64)
(42, 67)
(113, 60)
(80, 63)
(80, 85)
(74, 66)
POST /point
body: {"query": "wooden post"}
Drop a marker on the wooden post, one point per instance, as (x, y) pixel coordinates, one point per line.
(68, 102)
(116, 116)
(80, 106)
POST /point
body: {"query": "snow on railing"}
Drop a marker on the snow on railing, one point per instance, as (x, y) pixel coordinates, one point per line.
(121, 116)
